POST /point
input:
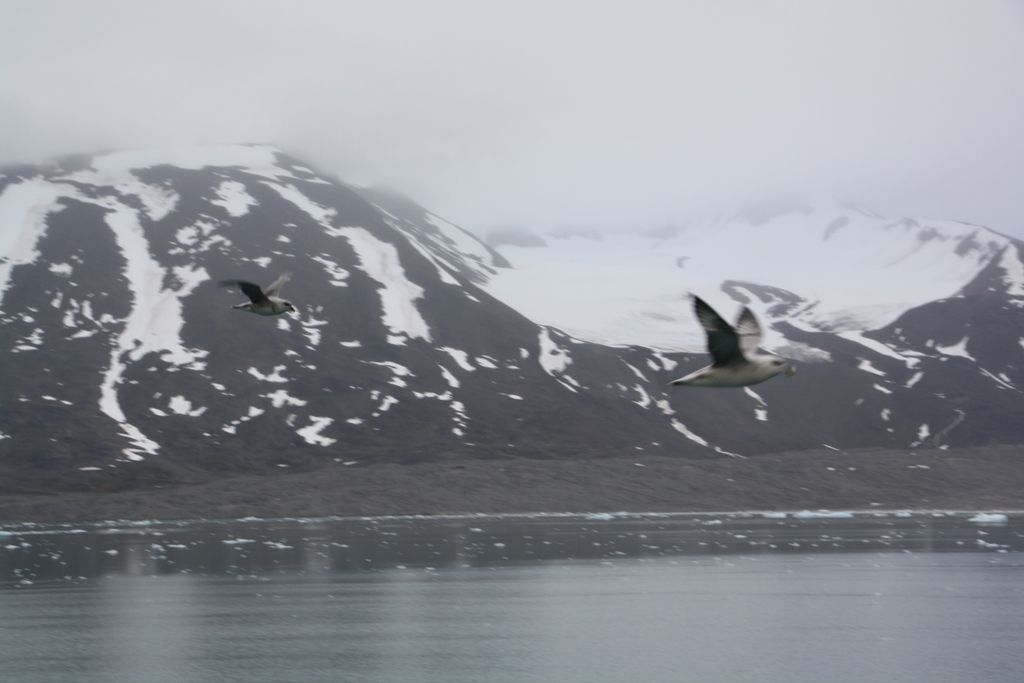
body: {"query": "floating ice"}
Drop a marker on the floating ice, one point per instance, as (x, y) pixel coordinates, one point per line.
(826, 514)
(989, 518)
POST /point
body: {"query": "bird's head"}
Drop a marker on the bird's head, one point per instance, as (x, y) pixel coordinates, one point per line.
(781, 367)
(289, 306)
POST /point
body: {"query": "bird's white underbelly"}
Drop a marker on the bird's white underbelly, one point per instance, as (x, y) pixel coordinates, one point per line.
(726, 377)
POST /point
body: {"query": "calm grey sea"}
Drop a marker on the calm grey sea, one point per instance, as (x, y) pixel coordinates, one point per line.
(553, 598)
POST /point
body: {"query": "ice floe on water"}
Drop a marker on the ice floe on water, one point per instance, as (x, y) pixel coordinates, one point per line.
(990, 518)
(822, 514)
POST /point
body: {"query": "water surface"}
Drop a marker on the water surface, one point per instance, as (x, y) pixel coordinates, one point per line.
(750, 597)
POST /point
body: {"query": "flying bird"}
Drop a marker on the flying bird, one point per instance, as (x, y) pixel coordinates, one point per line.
(734, 350)
(260, 302)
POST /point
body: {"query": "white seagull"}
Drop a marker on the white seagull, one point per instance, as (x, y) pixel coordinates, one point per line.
(737, 362)
(260, 302)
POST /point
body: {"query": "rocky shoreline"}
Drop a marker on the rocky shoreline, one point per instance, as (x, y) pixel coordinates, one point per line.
(984, 478)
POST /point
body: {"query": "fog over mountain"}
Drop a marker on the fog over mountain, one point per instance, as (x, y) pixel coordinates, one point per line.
(517, 113)
(125, 364)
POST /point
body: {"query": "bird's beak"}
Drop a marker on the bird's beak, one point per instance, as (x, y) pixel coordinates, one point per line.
(789, 371)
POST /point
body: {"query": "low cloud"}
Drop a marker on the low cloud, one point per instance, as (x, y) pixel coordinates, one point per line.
(550, 114)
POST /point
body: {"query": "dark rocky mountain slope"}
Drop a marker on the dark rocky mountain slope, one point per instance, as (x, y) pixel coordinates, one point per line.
(124, 365)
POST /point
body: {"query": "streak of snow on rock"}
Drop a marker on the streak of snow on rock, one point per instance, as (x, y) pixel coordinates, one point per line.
(460, 357)
(311, 433)
(553, 358)
(233, 198)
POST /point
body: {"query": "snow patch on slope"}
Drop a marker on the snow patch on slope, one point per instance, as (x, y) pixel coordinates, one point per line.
(155, 321)
(553, 358)
(24, 208)
(398, 294)
(958, 349)
(233, 198)
(311, 433)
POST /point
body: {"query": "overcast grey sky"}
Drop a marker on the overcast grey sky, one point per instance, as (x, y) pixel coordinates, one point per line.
(551, 113)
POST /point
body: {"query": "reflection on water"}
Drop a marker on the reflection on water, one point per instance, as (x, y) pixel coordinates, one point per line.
(526, 599)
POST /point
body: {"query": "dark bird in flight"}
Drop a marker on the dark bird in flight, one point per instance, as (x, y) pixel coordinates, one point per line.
(734, 350)
(260, 302)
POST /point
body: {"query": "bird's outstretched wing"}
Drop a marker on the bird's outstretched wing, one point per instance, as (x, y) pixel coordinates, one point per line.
(276, 286)
(749, 332)
(723, 342)
(250, 289)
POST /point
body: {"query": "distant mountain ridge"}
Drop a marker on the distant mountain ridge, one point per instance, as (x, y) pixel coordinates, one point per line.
(124, 364)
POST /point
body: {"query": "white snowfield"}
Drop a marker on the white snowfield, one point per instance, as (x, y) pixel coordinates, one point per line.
(839, 269)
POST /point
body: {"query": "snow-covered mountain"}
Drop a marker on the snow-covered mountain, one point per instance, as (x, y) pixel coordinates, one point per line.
(826, 268)
(123, 364)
